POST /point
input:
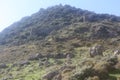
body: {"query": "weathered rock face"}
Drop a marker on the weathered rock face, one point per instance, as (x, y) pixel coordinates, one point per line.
(96, 50)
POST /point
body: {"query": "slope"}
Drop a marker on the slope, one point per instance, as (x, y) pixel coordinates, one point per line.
(53, 33)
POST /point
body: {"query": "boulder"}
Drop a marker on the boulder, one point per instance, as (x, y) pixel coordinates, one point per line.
(2, 65)
(116, 52)
(96, 50)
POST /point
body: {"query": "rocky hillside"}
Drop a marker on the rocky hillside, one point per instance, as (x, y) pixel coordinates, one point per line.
(61, 43)
(57, 18)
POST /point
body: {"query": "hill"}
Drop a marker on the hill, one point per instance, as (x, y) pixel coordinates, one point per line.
(51, 20)
(53, 33)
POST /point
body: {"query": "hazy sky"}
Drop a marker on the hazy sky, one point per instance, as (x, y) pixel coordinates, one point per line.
(13, 10)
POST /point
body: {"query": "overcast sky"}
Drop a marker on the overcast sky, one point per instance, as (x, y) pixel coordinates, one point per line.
(13, 10)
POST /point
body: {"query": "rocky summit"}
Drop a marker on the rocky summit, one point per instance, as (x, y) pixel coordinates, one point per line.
(61, 43)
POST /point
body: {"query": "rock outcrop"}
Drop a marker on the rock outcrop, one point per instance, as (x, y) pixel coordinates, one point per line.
(96, 50)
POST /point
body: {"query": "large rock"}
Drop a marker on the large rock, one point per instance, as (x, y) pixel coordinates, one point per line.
(2, 65)
(96, 50)
(116, 52)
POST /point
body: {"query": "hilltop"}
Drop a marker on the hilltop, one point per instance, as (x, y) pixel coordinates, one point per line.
(53, 19)
(53, 33)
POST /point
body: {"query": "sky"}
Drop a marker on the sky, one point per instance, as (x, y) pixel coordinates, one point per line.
(13, 10)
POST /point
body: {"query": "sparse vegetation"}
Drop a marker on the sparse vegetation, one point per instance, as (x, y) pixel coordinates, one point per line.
(56, 42)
